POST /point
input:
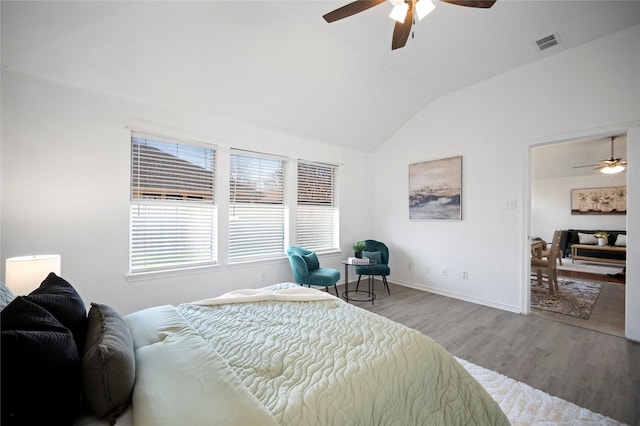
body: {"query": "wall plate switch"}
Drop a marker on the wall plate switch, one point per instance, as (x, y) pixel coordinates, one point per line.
(510, 204)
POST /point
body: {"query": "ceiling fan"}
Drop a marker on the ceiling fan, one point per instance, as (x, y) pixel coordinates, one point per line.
(611, 166)
(403, 13)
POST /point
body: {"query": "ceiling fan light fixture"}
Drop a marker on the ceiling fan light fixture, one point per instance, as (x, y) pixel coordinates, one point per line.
(612, 170)
(423, 8)
(399, 12)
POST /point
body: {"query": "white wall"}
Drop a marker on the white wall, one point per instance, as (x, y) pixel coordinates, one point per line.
(492, 125)
(551, 205)
(65, 189)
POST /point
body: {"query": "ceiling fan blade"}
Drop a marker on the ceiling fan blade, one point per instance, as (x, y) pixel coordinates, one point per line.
(401, 31)
(588, 165)
(483, 4)
(351, 9)
(610, 163)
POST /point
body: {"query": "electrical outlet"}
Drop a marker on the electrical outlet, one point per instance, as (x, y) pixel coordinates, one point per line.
(465, 275)
(411, 266)
(444, 272)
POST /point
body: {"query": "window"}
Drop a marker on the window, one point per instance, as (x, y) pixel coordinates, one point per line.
(317, 224)
(173, 209)
(257, 208)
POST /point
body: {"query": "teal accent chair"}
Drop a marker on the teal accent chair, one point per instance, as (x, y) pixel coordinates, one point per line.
(379, 252)
(307, 271)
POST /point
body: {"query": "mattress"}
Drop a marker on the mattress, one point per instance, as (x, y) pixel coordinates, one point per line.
(289, 355)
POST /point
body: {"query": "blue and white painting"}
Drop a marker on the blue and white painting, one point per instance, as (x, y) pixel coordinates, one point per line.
(435, 189)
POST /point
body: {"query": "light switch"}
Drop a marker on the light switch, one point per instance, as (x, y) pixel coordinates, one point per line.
(510, 204)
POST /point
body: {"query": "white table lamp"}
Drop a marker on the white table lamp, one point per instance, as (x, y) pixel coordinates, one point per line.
(25, 273)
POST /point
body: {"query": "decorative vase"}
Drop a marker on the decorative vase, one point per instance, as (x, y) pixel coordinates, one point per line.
(359, 254)
(602, 241)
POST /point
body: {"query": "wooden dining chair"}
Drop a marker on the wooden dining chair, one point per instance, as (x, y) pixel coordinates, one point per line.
(547, 265)
(557, 235)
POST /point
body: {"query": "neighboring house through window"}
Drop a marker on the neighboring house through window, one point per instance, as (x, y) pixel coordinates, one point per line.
(173, 208)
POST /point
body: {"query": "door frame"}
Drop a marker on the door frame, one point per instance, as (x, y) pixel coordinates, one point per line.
(529, 145)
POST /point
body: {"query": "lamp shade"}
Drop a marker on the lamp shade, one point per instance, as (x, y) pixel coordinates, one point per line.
(25, 273)
(611, 170)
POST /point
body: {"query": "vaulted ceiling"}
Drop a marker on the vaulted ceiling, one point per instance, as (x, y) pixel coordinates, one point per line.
(278, 64)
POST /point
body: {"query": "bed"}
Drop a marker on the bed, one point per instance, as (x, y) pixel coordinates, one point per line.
(281, 355)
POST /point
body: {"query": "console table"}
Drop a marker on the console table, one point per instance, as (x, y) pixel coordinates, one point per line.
(586, 248)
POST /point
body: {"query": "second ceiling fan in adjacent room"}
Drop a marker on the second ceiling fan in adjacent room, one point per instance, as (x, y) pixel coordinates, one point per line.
(611, 166)
(403, 12)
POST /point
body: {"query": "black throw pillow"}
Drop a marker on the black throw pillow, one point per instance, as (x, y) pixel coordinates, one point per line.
(39, 366)
(59, 297)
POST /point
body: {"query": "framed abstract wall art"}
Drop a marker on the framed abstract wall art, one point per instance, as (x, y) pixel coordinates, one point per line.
(435, 189)
(608, 200)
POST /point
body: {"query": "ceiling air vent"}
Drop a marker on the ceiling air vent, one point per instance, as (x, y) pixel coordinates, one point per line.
(548, 41)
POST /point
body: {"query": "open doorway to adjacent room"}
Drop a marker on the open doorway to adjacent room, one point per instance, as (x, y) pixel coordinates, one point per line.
(591, 294)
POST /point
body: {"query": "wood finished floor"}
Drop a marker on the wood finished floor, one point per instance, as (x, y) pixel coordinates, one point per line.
(594, 370)
(607, 315)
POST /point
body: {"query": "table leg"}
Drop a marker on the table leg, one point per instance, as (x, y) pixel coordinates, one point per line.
(346, 283)
(371, 284)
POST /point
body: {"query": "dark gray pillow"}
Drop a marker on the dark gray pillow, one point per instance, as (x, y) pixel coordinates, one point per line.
(108, 364)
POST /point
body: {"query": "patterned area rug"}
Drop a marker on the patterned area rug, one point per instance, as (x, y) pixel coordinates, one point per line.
(526, 406)
(575, 298)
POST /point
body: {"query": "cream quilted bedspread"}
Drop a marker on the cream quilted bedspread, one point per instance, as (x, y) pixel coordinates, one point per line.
(289, 362)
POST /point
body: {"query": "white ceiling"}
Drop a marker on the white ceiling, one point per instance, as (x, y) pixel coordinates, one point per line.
(279, 65)
(566, 159)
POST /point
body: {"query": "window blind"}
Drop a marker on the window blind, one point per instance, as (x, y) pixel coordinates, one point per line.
(173, 210)
(317, 221)
(257, 206)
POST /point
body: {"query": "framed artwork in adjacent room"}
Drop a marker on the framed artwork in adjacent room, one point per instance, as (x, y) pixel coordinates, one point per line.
(608, 200)
(435, 189)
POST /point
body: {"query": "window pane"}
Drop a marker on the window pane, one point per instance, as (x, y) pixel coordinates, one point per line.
(317, 227)
(171, 234)
(256, 225)
(317, 221)
(173, 215)
(256, 231)
(169, 170)
(316, 184)
(256, 179)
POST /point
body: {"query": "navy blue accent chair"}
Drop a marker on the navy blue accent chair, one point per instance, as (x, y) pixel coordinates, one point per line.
(379, 252)
(307, 271)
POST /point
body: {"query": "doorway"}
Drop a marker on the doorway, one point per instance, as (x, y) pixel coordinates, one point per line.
(557, 168)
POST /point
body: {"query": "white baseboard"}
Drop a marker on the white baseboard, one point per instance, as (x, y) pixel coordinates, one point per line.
(484, 302)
